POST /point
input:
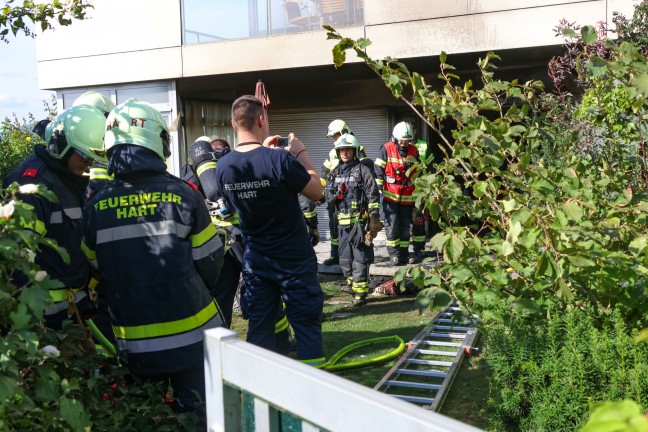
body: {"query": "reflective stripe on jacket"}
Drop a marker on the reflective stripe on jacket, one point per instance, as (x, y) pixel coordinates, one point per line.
(396, 180)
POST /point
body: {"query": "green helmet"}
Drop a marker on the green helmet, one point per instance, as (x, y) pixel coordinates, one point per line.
(98, 100)
(403, 132)
(80, 127)
(338, 127)
(347, 141)
(138, 123)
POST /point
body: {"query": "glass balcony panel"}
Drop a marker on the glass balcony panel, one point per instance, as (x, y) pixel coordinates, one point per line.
(221, 20)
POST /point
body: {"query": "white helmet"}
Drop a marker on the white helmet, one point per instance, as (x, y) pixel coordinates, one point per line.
(403, 132)
(338, 127)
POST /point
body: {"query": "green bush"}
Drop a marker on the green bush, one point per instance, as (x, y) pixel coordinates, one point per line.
(546, 376)
(56, 381)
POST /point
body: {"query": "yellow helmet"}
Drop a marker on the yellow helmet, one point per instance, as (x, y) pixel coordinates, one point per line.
(138, 123)
(79, 127)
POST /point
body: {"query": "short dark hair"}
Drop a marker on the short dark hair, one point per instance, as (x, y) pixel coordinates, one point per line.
(219, 143)
(245, 111)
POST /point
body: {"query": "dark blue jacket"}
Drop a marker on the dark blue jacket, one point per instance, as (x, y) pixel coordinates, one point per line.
(150, 235)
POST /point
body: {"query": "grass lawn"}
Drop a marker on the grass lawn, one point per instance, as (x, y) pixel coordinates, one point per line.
(389, 316)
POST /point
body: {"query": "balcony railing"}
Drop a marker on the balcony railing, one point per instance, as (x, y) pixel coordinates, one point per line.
(220, 20)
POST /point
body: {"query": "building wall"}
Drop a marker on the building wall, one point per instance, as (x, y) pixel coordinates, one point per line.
(133, 41)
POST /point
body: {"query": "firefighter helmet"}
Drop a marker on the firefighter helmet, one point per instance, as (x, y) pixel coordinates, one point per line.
(338, 127)
(81, 128)
(98, 100)
(138, 123)
(403, 132)
(347, 141)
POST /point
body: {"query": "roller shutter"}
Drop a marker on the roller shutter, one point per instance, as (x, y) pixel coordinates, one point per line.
(370, 126)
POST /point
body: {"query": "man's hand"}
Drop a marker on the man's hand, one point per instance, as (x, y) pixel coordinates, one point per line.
(314, 236)
(375, 225)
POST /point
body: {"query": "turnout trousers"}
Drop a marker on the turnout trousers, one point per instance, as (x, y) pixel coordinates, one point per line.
(355, 260)
(398, 222)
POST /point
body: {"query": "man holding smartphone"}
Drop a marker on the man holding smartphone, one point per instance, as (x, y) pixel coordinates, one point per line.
(262, 180)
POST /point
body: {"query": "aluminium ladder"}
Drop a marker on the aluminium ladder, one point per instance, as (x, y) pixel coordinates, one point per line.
(425, 372)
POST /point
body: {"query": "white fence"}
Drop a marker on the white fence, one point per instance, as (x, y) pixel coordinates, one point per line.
(322, 400)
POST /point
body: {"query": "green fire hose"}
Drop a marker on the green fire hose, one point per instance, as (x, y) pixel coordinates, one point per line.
(332, 365)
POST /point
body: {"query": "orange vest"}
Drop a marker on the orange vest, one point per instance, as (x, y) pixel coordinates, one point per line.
(398, 186)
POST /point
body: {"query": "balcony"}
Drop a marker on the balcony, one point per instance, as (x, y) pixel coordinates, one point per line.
(222, 20)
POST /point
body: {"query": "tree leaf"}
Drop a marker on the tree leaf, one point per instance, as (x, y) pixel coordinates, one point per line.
(438, 241)
(73, 413)
(573, 211)
(638, 245)
(452, 250)
(580, 261)
(588, 33)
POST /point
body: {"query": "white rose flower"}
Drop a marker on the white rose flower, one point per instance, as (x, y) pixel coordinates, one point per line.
(7, 210)
(28, 188)
(51, 351)
(40, 275)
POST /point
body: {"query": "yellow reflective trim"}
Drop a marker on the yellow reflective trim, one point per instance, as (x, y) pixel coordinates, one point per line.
(374, 205)
(62, 294)
(93, 283)
(418, 239)
(407, 199)
(310, 214)
(381, 163)
(323, 181)
(390, 195)
(204, 167)
(392, 243)
(404, 243)
(204, 236)
(89, 253)
(168, 328)
(380, 181)
(318, 362)
(281, 325)
(334, 241)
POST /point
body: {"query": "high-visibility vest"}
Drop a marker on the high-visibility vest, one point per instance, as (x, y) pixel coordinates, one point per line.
(398, 185)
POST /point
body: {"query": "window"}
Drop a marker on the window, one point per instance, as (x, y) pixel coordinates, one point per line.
(220, 20)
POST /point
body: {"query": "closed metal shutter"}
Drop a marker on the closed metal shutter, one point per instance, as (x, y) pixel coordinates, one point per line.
(370, 127)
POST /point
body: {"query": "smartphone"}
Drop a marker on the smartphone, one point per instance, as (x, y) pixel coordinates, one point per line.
(283, 141)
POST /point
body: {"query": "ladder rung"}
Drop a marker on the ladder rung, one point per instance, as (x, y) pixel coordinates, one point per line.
(448, 335)
(439, 353)
(415, 399)
(446, 344)
(412, 385)
(451, 328)
(429, 362)
(428, 373)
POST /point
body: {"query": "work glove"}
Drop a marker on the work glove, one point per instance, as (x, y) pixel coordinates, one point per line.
(314, 236)
(375, 226)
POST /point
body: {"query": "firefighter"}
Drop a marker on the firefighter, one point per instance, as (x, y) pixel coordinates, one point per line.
(310, 217)
(74, 142)
(150, 236)
(394, 170)
(99, 171)
(336, 129)
(421, 223)
(354, 195)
